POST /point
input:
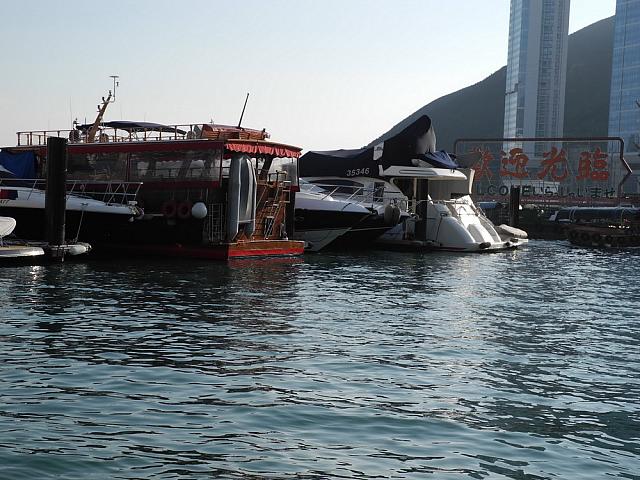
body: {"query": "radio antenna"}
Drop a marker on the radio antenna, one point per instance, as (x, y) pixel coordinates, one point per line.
(242, 114)
(116, 84)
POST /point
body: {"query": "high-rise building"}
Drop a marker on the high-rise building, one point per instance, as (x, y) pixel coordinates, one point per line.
(624, 102)
(536, 68)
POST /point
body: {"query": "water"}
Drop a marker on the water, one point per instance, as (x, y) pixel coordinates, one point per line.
(522, 365)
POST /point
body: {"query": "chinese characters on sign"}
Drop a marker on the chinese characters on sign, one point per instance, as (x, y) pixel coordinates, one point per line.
(593, 166)
(515, 164)
(552, 175)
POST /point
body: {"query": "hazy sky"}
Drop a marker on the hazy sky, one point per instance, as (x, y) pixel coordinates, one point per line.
(322, 74)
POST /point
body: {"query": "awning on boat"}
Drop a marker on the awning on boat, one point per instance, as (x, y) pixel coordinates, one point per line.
(415, 143)
(263, 148)
(135, 127)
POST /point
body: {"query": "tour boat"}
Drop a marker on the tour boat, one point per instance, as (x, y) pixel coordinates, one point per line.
(422, 196)
(205, 190)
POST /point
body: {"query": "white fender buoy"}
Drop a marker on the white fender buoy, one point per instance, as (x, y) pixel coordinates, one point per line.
(511, 231)
(199, 210)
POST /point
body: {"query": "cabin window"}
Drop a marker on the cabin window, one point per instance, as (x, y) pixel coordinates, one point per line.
(184, 164)
(339, 185)
(97, 166)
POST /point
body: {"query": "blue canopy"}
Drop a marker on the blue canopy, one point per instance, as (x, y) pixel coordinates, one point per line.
(134, 127)
(21, 165)
(440, 159)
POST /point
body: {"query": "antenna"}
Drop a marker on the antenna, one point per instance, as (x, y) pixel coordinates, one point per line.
(115, 85)
(242, 114)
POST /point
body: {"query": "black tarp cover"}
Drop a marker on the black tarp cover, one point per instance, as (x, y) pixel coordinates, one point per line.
(415, 142)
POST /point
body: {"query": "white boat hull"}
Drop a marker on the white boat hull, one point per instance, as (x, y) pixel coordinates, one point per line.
(455, 225)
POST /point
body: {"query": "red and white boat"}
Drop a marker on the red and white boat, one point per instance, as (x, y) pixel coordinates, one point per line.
(206, 191)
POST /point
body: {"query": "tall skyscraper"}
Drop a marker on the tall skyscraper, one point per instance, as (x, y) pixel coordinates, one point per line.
(624, 102)
(536, 68)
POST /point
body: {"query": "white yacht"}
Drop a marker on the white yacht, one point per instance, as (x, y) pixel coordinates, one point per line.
(89, 214)
(321, 218)
(421, 195)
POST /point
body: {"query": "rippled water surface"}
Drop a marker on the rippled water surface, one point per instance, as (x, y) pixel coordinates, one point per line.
(522, 365)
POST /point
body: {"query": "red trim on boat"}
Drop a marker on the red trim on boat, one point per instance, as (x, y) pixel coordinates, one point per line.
(222, 252)
(256, 147)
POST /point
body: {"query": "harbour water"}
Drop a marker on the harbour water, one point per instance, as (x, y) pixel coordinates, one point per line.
(519, 365)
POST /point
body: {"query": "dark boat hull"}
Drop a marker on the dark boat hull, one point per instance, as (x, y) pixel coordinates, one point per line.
(88, 226)
(363, 234)
(602, 237)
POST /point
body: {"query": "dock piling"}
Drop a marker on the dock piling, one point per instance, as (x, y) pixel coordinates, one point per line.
(514, 206)
(56, 195)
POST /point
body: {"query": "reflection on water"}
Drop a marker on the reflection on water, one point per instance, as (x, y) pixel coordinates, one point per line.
(513, 365)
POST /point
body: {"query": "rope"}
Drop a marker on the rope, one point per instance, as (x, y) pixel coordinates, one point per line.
(79, 225)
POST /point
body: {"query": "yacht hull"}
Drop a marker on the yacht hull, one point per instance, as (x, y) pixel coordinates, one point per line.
(87, 226)
(320, 228)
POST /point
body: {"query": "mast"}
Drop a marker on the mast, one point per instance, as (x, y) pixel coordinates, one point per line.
(91, 134)
(242, 114)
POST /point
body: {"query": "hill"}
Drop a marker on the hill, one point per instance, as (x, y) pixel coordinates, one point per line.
(478, 110)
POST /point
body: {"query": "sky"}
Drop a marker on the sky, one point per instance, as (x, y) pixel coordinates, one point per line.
(322, 74)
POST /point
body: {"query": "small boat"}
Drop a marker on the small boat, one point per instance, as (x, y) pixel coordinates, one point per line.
(421, 196)
(601, 227)
(19, 251)
(11, 252)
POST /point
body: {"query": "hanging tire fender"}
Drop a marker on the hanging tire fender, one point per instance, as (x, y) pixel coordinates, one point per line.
(184, 210)
(169, 208)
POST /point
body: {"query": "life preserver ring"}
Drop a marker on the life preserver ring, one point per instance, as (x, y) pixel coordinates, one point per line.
(169, 208)
(184, 210)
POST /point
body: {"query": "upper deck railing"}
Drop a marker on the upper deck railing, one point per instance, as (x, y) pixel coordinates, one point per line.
(113, 132)
(109, 192)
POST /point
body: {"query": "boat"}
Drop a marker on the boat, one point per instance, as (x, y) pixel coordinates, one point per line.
(371, 196)
(422, 196)
(19, 251)
(321, 218)
(206, 190)
(600, 227)
(12, 252)
(88, 217)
